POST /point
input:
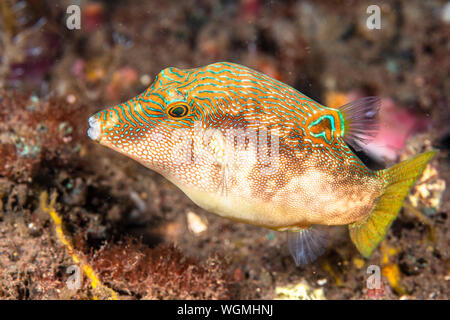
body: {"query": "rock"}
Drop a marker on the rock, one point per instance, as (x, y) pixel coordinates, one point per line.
(195, 223)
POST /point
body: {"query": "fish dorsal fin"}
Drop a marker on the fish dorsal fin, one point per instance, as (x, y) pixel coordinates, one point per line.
(360, 119)
(306, 244)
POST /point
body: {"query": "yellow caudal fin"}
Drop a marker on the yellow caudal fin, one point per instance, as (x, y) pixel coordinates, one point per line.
(366, 235)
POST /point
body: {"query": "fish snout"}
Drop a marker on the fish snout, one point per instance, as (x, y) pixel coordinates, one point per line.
(94, 130)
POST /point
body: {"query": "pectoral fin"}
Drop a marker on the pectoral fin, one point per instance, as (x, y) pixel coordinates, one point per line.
(306, 244)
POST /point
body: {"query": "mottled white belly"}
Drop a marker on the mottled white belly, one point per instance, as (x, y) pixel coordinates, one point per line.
(312, 198)
(251, 211)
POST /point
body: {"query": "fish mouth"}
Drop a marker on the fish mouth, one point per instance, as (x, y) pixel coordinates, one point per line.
(94, 128)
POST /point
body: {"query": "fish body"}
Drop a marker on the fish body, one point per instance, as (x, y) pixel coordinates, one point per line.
(252, 149)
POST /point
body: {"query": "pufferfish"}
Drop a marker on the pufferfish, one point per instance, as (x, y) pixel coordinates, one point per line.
(252, 149)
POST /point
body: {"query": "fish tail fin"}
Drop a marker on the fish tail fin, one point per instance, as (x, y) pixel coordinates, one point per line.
(367, 234)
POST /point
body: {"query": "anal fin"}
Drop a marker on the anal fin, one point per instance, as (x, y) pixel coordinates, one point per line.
(306, 244)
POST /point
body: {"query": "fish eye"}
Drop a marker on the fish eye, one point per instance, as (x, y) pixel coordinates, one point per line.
(178, 110)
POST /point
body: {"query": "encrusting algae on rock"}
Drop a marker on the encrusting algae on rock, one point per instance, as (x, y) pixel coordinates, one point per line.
(252, 149)
(300, 291)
